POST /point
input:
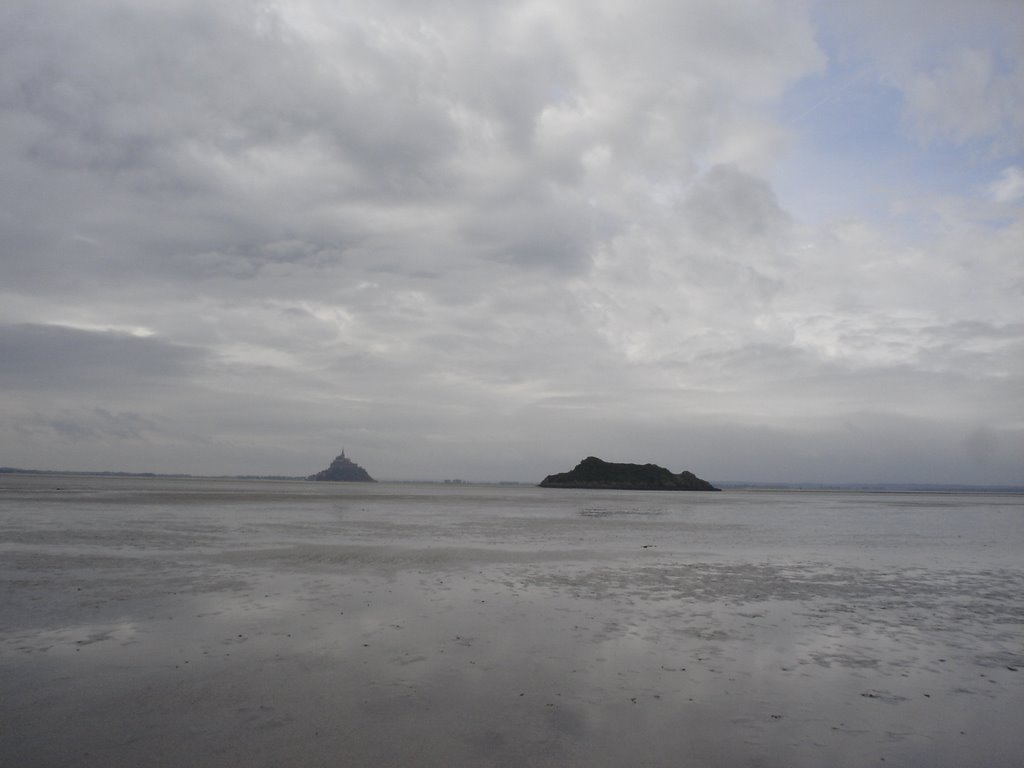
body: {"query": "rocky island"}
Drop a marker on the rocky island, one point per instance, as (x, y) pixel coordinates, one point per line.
(595, 473)
(343, 470)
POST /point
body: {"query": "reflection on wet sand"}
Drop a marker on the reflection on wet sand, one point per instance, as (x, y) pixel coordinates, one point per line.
(198, 625)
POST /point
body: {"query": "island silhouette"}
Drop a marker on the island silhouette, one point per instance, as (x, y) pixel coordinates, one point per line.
(343, 470)
(592, 472)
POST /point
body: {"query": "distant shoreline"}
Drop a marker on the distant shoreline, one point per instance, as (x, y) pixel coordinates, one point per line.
(739, 485)
(725, 485)
(91, 473)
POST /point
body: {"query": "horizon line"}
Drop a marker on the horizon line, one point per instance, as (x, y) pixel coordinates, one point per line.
(736, 485)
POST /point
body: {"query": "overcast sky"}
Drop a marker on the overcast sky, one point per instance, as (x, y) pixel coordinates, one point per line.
(778, 241)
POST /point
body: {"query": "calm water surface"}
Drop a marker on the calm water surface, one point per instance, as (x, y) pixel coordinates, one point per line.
(172, 622)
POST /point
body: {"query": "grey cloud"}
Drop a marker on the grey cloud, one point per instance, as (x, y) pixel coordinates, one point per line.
(185, 143)
(50, 357)
(97, 424)
(545, 231)
(974, 348)
(982, 445)
(732, 207)
(175, 103)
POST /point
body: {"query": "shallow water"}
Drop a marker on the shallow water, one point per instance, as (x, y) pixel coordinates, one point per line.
(170, 622)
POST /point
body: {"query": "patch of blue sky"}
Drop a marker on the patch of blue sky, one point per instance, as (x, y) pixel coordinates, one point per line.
(852, 153)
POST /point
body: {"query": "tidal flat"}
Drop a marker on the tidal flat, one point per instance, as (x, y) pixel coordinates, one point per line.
(208, 622)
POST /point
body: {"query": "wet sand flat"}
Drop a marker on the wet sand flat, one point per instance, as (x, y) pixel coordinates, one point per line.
(163, 622)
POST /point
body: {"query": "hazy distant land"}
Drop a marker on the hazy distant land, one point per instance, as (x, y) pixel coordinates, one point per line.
(725, 485)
